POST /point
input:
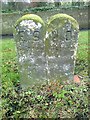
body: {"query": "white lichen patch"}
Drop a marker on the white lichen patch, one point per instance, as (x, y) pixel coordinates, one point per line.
(30, 24)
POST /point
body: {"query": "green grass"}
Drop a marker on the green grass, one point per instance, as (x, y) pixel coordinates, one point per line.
(49, 100)
(9, 62)
(82, 54)
(83, 45)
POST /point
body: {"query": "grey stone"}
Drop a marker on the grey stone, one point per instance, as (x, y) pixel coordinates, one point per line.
(46, 53)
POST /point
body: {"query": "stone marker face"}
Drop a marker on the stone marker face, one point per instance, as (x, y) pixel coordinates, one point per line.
(62, 37)
(46, 53)
(30, 48)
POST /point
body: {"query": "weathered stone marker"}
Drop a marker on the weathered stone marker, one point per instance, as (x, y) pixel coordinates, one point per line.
(46, 52)
(62, 37)
(29, 34)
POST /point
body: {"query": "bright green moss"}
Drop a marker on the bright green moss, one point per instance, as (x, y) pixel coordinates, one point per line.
(61, 18)
(34, 17)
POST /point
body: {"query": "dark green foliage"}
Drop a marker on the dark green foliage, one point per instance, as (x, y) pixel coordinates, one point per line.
(57, 4)
(46, 101)
(41, 6)
(37, 9)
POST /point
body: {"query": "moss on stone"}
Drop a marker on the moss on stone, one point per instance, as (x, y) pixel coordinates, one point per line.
(62, 18)
(34, 17)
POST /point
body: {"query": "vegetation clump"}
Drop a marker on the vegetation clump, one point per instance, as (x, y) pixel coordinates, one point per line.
(46, 101)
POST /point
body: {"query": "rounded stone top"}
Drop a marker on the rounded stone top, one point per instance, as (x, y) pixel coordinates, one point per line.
(62, 19)
(34, 17)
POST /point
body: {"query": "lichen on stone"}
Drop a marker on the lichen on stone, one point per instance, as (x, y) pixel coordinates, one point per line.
(33, 17)
(60, 19)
